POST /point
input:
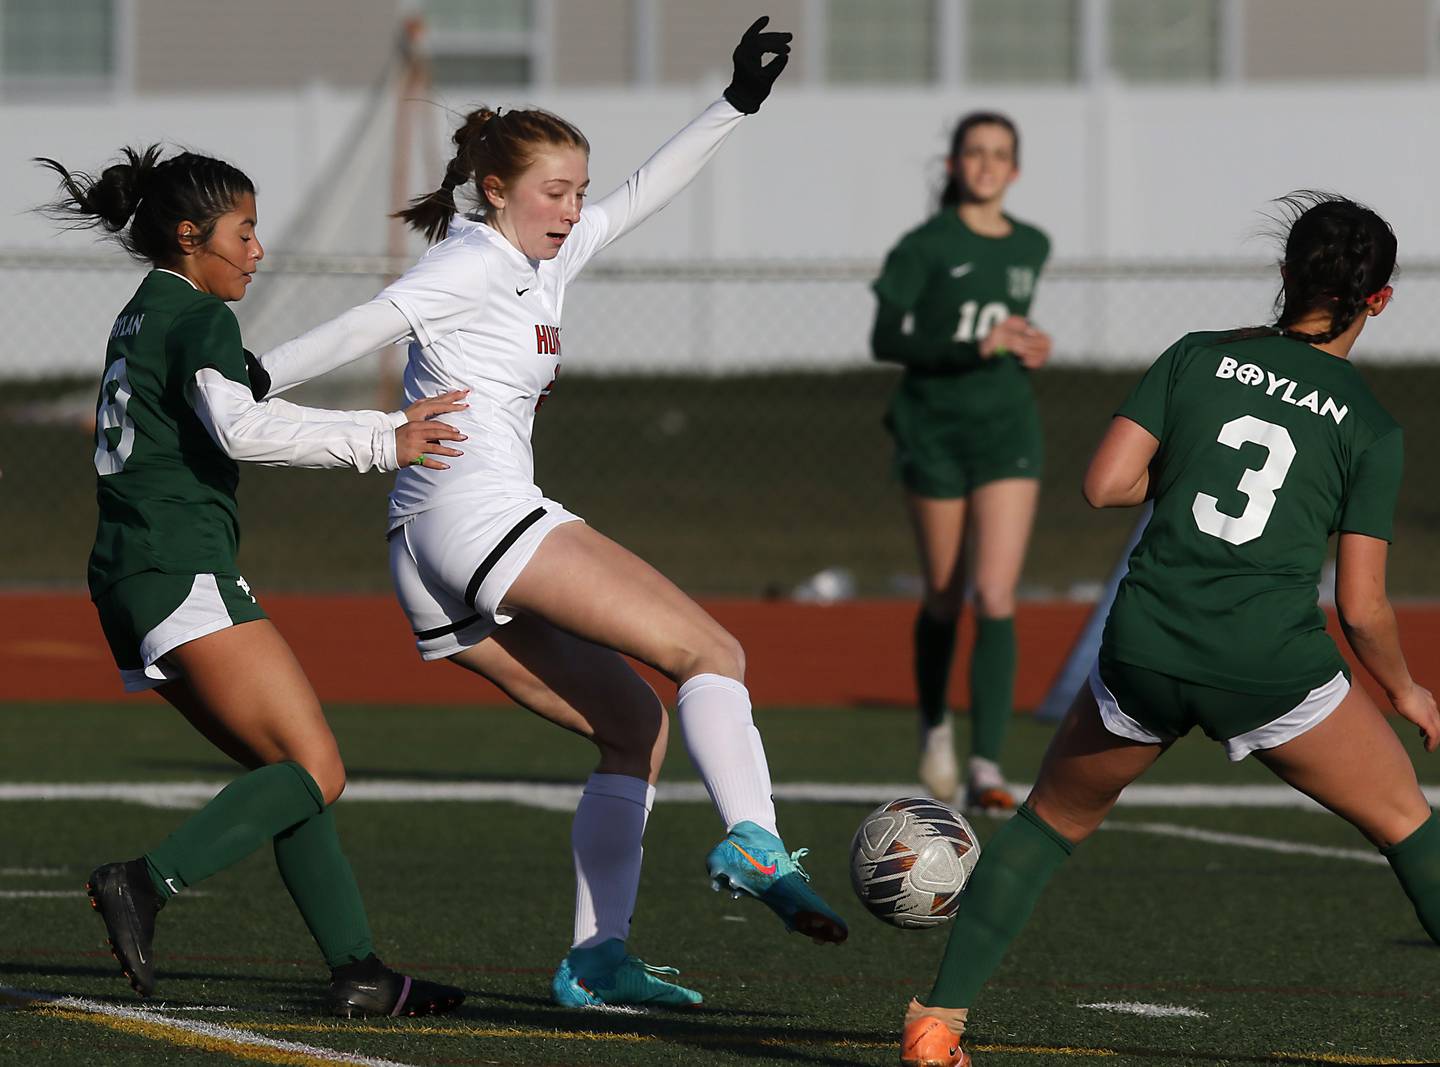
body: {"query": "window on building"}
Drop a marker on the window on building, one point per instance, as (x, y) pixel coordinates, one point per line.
(1165, 40)
(871, 42)
(481, 42)
(57, 44)
(1023, 41)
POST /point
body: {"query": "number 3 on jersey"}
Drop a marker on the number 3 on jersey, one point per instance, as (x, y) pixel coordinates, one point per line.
(114, 431)
(1258, 485)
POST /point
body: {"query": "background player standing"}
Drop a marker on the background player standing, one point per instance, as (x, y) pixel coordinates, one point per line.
(1255, 446)
(175, 413)
(506, 583)
(953, 300)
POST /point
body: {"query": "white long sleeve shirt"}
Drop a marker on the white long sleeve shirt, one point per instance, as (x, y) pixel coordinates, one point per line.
(278, 433)
(484, 317)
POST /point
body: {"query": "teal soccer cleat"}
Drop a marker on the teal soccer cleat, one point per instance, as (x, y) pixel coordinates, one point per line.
(752, 860)
(604, 976)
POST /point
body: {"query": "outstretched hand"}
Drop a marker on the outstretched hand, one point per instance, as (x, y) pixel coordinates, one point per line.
(753, 77)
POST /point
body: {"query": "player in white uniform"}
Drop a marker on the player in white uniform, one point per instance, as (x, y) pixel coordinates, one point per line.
(507, 583)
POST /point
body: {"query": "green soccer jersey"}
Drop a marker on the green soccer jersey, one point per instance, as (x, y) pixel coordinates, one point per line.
(1267, 446)
(165, 489)
(945, 287)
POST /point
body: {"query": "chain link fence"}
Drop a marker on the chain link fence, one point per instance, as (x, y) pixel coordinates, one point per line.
(721, 419)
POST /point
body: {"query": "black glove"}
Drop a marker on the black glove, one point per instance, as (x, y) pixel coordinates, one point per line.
(259, 379)
(752, 81)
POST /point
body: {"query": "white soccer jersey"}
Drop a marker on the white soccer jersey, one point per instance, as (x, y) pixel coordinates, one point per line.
(484, 317)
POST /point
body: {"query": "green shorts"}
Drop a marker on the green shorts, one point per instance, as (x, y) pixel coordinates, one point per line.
(148, 614)
(1145, 705)
(949, 457)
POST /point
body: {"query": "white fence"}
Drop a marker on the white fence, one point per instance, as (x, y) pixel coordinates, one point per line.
(703, 318)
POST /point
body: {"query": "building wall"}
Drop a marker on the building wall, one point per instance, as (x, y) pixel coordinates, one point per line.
(181, 46)
(696, 37)
(593, 42)
(1323, 40)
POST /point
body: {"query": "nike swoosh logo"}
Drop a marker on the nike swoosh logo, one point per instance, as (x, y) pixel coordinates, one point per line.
(522, 292)
(763, 868)
(962, 270)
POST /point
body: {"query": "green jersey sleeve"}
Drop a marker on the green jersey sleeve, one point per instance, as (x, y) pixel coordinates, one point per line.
(206, 336)
(1374, 486)
(903, 279)
(1150, 399)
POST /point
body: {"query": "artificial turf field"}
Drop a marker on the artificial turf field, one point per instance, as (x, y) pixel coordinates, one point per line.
(1257, 953)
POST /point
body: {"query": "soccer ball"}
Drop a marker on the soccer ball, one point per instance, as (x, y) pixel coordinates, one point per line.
(910, 860)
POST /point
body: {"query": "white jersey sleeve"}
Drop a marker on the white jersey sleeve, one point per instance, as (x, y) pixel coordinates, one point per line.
(342, 340)
(279, 433)
(443, 291)
(673, 166)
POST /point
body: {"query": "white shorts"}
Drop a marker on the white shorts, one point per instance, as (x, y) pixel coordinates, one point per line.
(453, 565)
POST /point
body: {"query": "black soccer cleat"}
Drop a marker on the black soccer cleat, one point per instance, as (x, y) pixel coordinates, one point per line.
(371, 988)
(126, 899)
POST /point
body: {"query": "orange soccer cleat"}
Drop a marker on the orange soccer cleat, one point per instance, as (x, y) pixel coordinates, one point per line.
(929, 1041)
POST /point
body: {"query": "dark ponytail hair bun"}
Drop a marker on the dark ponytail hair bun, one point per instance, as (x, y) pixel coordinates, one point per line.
(141, 200)
(1338, 254)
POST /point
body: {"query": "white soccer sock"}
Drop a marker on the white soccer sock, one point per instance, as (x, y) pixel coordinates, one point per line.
(720, 735)
(605, 839)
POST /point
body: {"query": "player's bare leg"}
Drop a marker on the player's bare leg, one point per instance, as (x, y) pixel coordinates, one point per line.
(592, 691)
(1083, 773)
(266, 713)
(267, 718)
(1002, 515)
(939, 527)
(583, 687)
(1353, 763)
(586, 584)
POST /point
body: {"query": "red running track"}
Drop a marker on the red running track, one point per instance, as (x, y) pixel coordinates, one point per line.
(358, 650)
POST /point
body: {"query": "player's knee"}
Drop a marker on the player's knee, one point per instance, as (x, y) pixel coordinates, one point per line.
(1071, 821)
(717, 653)
(943, 605)
(994, 600)
(1397, 822)
(329, 775)
(635, 743)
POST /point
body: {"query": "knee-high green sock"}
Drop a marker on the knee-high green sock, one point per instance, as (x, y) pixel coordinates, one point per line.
(1003, 889)
(242, 817)
(992, 685)
(321, 883)
(934, 651)
(1416, 862)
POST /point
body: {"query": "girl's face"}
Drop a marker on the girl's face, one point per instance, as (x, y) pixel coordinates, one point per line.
(223, 265)
(538, 210)
(985, 163)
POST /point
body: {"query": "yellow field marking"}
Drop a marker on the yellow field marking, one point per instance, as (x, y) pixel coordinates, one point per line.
(178, 1033)
(513, 1033)
(1340, 1057)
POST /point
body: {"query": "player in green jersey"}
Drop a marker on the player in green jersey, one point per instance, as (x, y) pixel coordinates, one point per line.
(1255, 447)
(175, 413)
(953, 304)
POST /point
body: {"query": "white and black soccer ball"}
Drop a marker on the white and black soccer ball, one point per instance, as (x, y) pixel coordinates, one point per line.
(910, 861)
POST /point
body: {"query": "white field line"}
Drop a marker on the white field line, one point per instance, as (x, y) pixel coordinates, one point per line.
(1153, 1011)
(563, 796)
(239, 1039)
(1264, 844)
(33, 872)
(32, 894)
